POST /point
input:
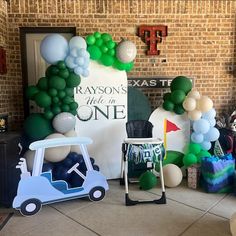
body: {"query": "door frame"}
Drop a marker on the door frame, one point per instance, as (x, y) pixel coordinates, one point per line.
(24, 70)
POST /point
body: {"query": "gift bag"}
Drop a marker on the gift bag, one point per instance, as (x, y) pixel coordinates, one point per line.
(218, 174)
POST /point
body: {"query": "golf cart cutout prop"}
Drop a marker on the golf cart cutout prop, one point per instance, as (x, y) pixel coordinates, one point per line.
(39, 189)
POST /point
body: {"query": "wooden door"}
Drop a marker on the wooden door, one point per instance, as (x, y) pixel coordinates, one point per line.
(33, 65)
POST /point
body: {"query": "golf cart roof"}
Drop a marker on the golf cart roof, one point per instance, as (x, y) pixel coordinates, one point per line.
(56, 142)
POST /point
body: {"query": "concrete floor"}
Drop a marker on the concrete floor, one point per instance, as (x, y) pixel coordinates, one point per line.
(188, 212)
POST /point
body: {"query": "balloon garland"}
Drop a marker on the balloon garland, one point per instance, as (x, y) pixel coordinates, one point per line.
(54, 93)
(173, 101)
(103, 49)
(199, 109)
(194, 154)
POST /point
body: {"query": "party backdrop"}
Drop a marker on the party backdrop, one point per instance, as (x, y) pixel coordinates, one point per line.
(102, 114)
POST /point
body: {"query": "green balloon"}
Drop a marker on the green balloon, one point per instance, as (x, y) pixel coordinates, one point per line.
(110, 44)
(64, 73)
(61, 94)
(65, 108)
(61, 65)
(167, 96)
(73, 105)
(55, 100)
(194, 148)
(48, 115)
(36, 127)
(181, 83)
(177, 96)
(69, 91)
(73, 112)
(104, 48)
(172, 157)
(70, 70)
(73, 80)
(129, 66)
(106, 37)
(119, 65)
(111, 52)
(52, 92)
(31, 91)
(90, 39)
(95, 52)
(56, 82)
(168, 105)
(43, 83)
(107, 60)
(67, 100)
(42, 99)
(189, 159)
(178, 109)
(202, 154)
(97, 35)
(147, 180)
(52, 70)
(99, 42)
(56, 109)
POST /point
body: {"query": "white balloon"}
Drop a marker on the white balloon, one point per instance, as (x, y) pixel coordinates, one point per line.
(74, 148)
(172, 175)
(189, 104)
(64, 122)
(204, 104)
(29, 157)
(194, 115)
(71, 133)
(126, 51)
(56, 154)
(54, 48)
(77, 42)
(233, 224)
(194, 94)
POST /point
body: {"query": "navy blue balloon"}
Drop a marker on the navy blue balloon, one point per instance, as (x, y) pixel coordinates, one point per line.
(76, 180)
(82, 167)
(60, 173)
(96, 167)
(47, 167)
(92, 160)
(67, 162)
(75, 157)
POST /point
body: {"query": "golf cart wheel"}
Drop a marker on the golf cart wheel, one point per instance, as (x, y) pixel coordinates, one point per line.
(97, 194)
(30, 207)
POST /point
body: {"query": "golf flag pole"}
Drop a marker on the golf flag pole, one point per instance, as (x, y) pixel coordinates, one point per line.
(168, 127)
(165, 142)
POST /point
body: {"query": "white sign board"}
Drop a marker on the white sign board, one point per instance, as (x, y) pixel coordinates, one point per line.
(102, 115)
(175, 140)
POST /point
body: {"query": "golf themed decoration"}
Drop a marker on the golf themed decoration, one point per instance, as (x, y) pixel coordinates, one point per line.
(55, 164)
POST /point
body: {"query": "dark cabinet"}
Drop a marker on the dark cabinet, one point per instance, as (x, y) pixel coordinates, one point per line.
(9, 175)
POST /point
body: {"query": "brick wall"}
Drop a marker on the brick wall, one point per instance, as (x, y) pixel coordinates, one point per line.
(200, 42)
(4, 82)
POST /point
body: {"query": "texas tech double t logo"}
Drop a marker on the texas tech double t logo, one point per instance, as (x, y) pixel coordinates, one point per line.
(152, 35)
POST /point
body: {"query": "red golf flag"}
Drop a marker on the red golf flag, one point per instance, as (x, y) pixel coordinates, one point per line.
(171, 126)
